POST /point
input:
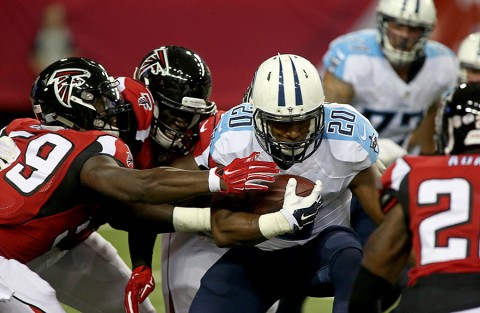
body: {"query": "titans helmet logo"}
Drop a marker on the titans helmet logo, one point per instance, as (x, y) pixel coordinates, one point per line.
(156, 62)
(64, 81)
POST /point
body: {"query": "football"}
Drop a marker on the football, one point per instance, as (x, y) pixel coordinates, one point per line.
(272, 200)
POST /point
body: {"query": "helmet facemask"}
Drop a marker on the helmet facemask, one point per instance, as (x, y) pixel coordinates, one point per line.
(181, 83)
(78, 93)
(403, 51)
(403, 46)
(175, 125)
(289, 152)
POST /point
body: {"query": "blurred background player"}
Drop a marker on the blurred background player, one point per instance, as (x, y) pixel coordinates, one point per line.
(468, 55)
(77, 93)
(394, 74)
(435, 203)
(288, 122)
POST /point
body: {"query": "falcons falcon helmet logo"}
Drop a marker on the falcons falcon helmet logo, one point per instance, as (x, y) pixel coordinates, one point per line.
(156, 62)
(64, 81)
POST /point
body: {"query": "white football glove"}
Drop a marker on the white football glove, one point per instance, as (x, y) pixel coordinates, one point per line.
(301, 211)
(8, 151)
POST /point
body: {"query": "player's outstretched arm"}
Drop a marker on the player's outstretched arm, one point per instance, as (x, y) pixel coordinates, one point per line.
(161, 185)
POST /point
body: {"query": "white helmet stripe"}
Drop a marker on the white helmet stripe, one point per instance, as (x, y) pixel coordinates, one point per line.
(298, 90)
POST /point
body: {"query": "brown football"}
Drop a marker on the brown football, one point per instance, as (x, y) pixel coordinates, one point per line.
(272, 200)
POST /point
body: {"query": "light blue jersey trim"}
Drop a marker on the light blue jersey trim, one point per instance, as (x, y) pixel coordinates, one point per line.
(239, 118)
(363, 42)
(345, 123)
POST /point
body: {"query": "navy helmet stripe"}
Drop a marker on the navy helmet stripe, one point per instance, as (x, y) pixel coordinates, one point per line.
(281, 89)
(417, 7)
(298, 91)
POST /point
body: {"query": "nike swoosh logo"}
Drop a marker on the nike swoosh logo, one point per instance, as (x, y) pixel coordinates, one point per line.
(228, 172)
(364, 137)
(203, 128)
(304, 217)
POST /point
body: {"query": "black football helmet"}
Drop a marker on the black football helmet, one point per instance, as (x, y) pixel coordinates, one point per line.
(458, 120)
(78, 93)
(181, 83)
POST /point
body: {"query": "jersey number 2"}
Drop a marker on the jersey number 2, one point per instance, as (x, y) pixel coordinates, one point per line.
(459, 212)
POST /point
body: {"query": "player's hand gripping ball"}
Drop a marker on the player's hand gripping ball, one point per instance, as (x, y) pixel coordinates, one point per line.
(272, 200)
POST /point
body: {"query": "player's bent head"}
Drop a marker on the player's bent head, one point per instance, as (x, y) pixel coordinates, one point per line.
(287, 97)
(78, 93)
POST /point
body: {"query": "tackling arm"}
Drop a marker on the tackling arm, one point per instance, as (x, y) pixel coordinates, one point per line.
(160, 185)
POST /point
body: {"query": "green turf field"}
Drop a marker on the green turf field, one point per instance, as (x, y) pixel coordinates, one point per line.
(119, 240)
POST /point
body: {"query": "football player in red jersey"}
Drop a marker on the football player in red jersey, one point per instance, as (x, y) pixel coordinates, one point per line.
(434, 208)
(180, 83)
(58, 178)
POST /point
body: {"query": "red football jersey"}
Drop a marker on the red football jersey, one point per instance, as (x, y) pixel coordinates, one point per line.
(42, 201)
(135, 93)
(205, 136)
(440, 196)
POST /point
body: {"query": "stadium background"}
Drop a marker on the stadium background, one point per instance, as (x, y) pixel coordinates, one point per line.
(233, 37)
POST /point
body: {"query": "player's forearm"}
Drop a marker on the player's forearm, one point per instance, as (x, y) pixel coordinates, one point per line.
(163, 185)
(141, 244)
(235, 229)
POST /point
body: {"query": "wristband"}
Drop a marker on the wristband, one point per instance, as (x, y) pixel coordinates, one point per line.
(191, 219)
(273, 224)
(213, 181)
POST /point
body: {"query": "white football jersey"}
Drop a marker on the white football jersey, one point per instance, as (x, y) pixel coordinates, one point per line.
(349, 146)
(393, 106)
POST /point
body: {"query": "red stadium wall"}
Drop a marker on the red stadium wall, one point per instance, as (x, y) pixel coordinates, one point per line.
(234, 37)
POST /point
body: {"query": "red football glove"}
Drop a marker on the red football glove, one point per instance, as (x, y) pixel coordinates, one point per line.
(140, 285)
(244, 174)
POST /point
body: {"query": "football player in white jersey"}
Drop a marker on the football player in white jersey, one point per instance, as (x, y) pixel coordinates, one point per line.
(287, 121)
(394, 74)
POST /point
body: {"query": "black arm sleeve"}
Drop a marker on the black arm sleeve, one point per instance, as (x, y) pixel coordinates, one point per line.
(367, 292)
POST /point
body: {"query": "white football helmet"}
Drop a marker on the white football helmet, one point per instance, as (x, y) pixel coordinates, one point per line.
(415, 13)
(287, 88)
(469, 55)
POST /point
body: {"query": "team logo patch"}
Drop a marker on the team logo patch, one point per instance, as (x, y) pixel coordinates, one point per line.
(64, 81)
(129, 159)
(156, 62)
(374, 143)
(146, 101)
